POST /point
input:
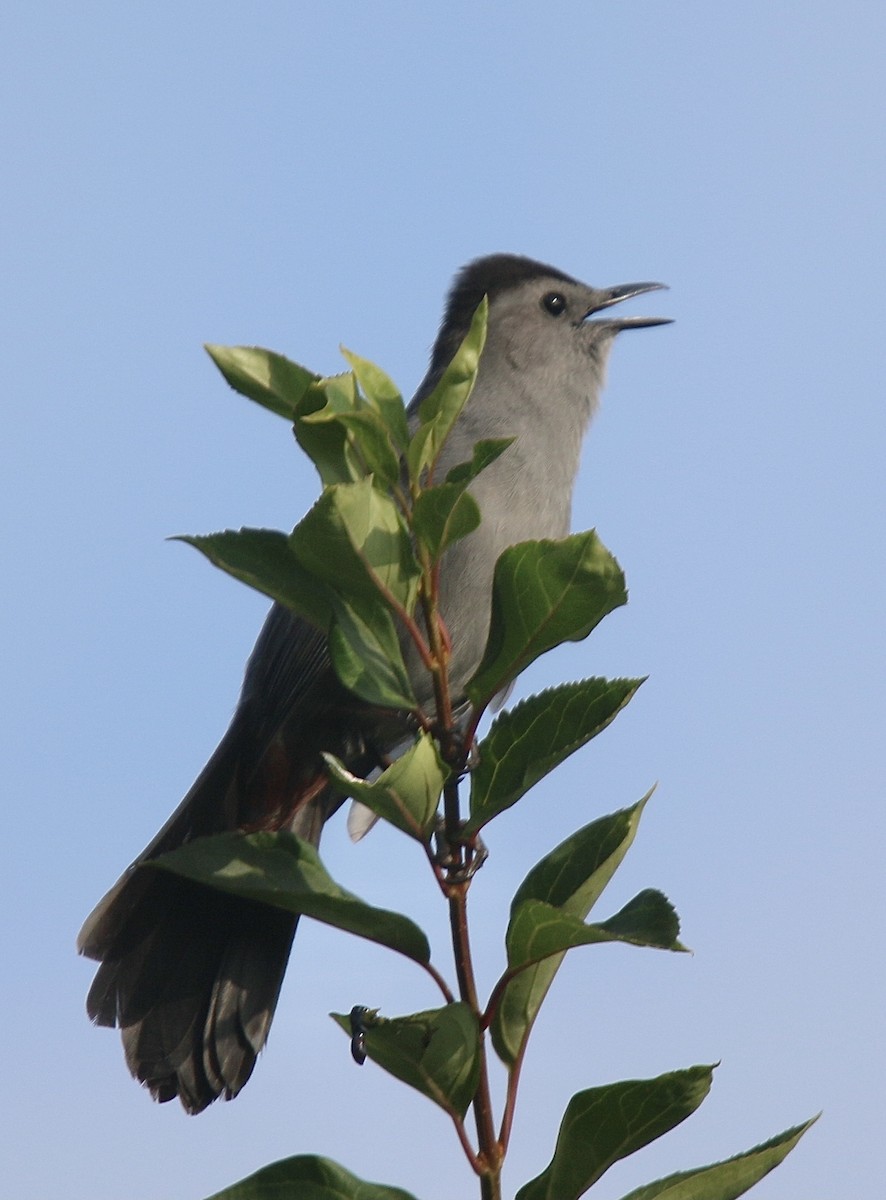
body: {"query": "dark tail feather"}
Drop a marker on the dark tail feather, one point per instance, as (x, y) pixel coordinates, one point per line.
(195, 998)
(191, 976)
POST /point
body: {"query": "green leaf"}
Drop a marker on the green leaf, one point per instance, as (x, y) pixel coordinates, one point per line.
(440, 410)
(370, 444)
(383, 395)
(436, 1052)
(263, 376)
(356, 542)
(309, 1177)
(365, 447)
(446, 512)
(344, 436)
(648, 920)
(724, 1180)
(365, 653)
(538, 930)
(604, 1124)
(263, 559)
(544, 593)
(363, 643)
(407, 793)
(443, 514)
(573, 875)
(571, 878)
(526, 742)
(325, 441)
(282, 870)
(486, 451)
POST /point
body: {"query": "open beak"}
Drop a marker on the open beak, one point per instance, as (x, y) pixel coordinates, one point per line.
(606, 297)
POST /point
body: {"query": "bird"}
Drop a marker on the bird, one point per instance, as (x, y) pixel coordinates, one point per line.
(190, 975)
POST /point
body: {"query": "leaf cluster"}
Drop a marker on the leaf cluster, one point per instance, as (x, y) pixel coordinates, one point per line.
(364, 566)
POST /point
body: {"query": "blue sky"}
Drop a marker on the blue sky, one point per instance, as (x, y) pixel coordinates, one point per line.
(300, 176)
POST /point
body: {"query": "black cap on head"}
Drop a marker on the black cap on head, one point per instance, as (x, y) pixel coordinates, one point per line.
(488, 276)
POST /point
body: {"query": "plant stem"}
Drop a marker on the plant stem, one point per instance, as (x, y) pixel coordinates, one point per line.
(490, 1186)
(455, 880)
(488, 1145)
(504, 1135)
(440, 982)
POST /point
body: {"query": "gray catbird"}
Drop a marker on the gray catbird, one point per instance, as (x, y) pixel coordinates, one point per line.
(191, 976)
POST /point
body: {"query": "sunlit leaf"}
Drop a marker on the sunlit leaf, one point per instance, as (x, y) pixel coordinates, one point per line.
(263, 376)
(355, 541)
(441, 408)
(382, 394)
(407, 793)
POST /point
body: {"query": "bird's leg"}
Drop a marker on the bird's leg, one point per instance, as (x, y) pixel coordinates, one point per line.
(462, 859)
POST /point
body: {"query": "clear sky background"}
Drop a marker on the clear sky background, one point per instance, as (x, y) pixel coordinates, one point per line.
(299, 176)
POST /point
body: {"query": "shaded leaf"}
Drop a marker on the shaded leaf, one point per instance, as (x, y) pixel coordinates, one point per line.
(340, 392)
(573, 875)
(365, 653)
(310, 1178)
(263, 376)
(282, 870)
(263, 559)
(604, 1124)
(724, 1180)
(572, 878)
(435, 1052)
(363, 644)
(443, 514)
(538, 930)
(440, 409)
(407, 793)
(526, 742)
(366, 445)
(648, 920)
(544, 593)
(486, 451)
(344, 436)
(326, 441)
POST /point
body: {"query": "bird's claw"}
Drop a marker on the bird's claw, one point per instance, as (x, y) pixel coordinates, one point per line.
(461, 860)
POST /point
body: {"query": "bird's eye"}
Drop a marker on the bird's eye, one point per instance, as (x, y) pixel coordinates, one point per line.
(554, 303)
